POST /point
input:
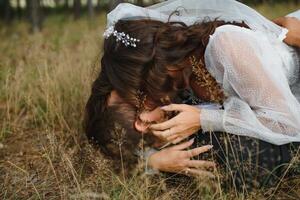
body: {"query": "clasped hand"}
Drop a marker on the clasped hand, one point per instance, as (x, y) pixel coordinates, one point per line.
(179, 127)
(293, 25)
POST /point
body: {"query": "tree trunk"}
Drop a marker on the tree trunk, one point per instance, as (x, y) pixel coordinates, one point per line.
(98, 4)
(56, 2)
(6, 11)
(34, 14)
(66, 4)
(90, 8)
(114, 3)
(77, 9)
(19, 9)
(140, 2)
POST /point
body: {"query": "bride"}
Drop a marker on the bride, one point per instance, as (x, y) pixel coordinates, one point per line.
(225, 52)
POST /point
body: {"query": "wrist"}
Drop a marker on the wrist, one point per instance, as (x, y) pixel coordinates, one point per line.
(197, 118)
(148, 166)
(297, 41)
(152, 163)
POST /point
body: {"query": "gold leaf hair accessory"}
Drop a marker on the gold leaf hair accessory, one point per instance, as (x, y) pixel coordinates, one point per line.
(140, 101)
(205, 79)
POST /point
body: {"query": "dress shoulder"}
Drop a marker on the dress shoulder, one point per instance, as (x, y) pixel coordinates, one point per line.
(229, 42)
(233, 32)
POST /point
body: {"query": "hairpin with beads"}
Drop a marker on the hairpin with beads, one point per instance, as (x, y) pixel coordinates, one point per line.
(120, 36)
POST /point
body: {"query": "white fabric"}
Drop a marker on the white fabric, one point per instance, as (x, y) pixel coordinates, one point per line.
(255, 73)
(255, 68)
(295, 14)
(191, 11)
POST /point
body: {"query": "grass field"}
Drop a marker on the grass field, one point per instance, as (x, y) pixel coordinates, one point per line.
(45, 80)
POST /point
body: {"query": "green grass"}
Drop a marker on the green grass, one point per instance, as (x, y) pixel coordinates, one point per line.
(277, 10)
(45, 80)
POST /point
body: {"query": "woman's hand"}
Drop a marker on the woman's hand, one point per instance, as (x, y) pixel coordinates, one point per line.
(179, 127)
(177, 160)
(293, 25)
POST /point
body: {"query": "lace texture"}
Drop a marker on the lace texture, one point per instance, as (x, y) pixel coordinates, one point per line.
(255, 68)
(252, 70)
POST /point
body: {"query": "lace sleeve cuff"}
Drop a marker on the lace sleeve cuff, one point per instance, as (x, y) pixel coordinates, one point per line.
(148, 169)
(211, 120)
(283, 34)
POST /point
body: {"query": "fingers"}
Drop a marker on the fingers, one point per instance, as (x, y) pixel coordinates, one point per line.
(169, 133)
(174, 132)
(198, 173)
(174, 107)
(177, 140)
(280, 21)
(180, 135)
(183, 145)
(173, 138)
(197, 151)
(200, 164)
(165, 125)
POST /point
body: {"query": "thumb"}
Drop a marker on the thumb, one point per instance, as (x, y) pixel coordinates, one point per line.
(279, 21)
(174, 107)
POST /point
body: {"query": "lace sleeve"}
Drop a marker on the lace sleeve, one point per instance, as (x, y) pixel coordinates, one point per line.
(260, 102)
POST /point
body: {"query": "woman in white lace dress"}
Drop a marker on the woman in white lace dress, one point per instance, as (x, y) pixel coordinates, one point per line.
(238, 60)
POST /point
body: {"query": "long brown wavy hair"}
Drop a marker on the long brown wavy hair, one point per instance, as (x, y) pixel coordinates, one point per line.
(130, 70)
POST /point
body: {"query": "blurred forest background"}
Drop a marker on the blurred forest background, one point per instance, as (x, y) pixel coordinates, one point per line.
(35, 11)
(49, 56)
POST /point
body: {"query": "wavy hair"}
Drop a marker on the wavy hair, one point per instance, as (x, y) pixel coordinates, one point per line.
(128, 70)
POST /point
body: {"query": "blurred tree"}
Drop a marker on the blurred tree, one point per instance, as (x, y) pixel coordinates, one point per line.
(98, 3)
(34, 14)
(77, 8)
(140, 2)
(6, 10)
(90, 8)
(114, 3)
(56, 3)
(66, 4)
(19, 9)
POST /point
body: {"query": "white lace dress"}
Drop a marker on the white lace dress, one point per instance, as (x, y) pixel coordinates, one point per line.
(259, 73)
(260, 76)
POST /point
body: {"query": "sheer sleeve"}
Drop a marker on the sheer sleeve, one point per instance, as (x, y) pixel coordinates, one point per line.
(260, 103)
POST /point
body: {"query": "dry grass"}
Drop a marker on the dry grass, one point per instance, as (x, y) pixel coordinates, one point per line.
(44, 83)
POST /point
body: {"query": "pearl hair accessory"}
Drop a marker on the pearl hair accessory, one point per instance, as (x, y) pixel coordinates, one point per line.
(120, 36)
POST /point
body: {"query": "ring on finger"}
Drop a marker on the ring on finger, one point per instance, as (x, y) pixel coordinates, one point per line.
(187, 170)
(168, 133)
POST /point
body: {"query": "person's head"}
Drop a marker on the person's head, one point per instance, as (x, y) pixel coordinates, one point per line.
(155, 67)
(109, 121)
(113, 124)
